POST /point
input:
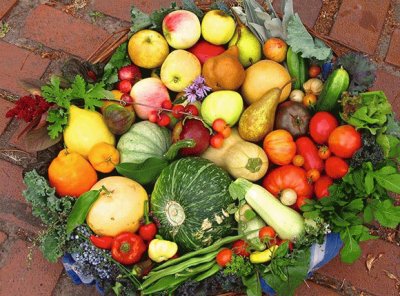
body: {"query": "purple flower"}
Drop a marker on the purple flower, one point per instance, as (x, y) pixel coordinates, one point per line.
(197, 90)
(191, 93)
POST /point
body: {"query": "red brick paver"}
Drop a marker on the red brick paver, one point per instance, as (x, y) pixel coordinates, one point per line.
(308, 13)
(4, 107)
(11, 176)
(375, 282)
(17, 63)
(6, 6)
(3, 237)
(390, 84)
(59, 30)
(359, 23)
(19, 277)
(311, 289)
(393, 55)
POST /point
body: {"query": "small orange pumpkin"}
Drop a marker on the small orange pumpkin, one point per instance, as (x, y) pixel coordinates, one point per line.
(280, 147)
(71, 174)
(103, 157)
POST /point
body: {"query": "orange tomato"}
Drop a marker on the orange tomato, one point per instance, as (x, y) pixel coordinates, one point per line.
(280, 147)
(309, 100)
(117, 95)
(103, 157)
(313, 175)
(298, 160)
(71, 174)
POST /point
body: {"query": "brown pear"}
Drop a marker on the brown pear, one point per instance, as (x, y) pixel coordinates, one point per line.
(258, 119)
(224, 71)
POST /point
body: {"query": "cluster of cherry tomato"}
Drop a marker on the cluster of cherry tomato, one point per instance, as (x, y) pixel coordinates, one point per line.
(241, 248)
(222, 131)
(328, 161)
(163, 116)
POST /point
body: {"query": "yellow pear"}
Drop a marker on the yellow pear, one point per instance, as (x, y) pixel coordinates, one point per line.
(258, 119)
(84, 130)
(249, 47)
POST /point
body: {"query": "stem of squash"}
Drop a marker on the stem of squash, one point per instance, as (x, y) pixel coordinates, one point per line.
(254, 164)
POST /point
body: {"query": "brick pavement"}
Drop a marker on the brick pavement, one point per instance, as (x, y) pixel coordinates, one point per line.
(37, 27)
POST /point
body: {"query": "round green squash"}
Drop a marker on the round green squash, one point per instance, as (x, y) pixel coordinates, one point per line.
(190, 200)
(142, 141)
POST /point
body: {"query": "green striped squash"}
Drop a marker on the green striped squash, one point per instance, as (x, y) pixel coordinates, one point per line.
(142, 141)
(190, 200)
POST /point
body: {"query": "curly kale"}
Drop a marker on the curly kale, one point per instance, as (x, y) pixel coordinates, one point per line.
(369, 152)
(361, 70)
(53, 212)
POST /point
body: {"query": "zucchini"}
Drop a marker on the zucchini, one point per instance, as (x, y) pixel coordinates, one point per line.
(298, 68)
(337, 83)
(287, 223)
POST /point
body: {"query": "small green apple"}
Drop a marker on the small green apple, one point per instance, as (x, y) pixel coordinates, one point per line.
(217, 27)
(225, 104)
(179, 70)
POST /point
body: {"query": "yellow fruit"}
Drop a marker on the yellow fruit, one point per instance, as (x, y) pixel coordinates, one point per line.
(117, 95)
(84, 130)
(119, 208)
(263, 76)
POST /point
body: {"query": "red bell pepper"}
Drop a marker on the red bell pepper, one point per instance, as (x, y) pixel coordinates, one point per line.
(149, 230)
(127, 248)
(102, 242)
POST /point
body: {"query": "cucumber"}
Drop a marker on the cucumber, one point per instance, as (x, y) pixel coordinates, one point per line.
(297, 67)
(337, 83)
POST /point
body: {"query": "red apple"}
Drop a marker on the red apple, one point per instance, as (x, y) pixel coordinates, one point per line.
(204, 50)
(130, 72)
(192, 129)
(149, 94)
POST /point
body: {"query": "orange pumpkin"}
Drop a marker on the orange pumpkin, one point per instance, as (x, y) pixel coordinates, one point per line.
(103, 157)
(280, 147)
(71, 174)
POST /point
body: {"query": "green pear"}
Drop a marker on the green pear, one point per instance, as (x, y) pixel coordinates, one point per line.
(249, 47)
(258, 119)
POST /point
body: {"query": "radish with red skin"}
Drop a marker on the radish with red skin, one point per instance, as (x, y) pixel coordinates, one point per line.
(130, 72)
(125, 86)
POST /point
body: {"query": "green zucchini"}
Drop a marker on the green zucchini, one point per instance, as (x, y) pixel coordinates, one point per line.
(298, 68)
(337, 83)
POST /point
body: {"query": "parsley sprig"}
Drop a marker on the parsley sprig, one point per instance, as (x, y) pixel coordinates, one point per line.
(361, 197)
(89, 95)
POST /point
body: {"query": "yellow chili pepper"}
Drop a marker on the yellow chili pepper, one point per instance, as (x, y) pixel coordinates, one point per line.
(161, 250)
(264, 256)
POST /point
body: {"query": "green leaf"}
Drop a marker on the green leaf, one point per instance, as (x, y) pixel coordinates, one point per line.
(369, 183)
(139, 20)
(145, 172)
(389, 182)
(119, 59)
(252, 284)
(80, 209)
(351, 250)
(191, 6)
(78, 87)
(301, 41)
(387, 214)
(355, 205)
(58, 120)
(368, 214)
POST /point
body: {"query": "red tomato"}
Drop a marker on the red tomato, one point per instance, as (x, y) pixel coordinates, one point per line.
(314, 71)
(335, 167)
(324, 152)
(290, 244)
(321, 125)
(321, 186)
(217, 140)
(224, 257)
(239, 247)
(344, 141)
(307, 149)
(266, 233)
(287, 176)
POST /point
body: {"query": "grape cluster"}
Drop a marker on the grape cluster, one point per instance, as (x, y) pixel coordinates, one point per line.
(91, 259)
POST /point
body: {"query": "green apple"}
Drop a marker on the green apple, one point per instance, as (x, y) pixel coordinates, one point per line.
(217, 27)
(179, 70)
(225, 104)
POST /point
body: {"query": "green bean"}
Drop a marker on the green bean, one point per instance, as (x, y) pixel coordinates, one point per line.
(190, 271)
(213, 247)
(164, 284)
(151, 278)
(213, 270)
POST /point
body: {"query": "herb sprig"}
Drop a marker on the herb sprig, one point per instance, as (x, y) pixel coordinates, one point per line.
(89, 95)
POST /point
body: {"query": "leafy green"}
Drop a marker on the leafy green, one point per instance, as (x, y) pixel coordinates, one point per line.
(287, 271)
(52, 211)
(239, 266)
(119, 59)
(191, 6)
(81, 209)
(145, 172)
(360, 198)
(90, 94)
(252, 284)
(361, 70)
(301, 41)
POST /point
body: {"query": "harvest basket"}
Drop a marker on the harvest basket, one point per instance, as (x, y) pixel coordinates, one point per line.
(320, 254)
